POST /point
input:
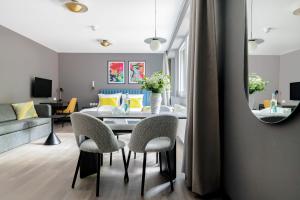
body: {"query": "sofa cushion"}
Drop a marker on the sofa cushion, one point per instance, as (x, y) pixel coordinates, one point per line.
(7, 113)
(25, 110)
(18, 125)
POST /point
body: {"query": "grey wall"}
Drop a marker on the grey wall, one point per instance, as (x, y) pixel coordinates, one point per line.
(268, 67)
(261, 162)
(77, 71)
(20, 60)
(289, 72)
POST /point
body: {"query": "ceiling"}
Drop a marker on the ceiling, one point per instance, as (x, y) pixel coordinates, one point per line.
(125, 23)
(285, 34)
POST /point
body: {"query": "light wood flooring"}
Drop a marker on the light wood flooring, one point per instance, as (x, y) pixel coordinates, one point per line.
(37, 172)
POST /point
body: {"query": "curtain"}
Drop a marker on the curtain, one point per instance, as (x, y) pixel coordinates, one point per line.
(167, 93)
(202, 161)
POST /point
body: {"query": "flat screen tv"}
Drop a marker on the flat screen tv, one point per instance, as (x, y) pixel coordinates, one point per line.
(42, 87)
(295, 91)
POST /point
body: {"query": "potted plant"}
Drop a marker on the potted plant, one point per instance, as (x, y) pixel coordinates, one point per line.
(157, 83)
(255, 84)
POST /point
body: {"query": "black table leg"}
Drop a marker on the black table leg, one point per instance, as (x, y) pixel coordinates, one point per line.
(52, 138)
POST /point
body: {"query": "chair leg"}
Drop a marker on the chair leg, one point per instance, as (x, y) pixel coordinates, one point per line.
(144, 173)
(101, 158)
(169, 169)
(156, 158)
(159, 158)
(134, 155)
(128, 159)
(98, 174)
(76, 171)
(126, 178)
(110, 159)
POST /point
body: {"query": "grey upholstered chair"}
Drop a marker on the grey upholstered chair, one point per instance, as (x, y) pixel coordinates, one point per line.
(93, 136)
(154, 134)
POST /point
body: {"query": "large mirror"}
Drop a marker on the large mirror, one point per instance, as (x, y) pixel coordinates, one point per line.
(274, 58)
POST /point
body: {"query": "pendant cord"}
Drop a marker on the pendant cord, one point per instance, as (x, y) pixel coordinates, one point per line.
(155, 18)
(251, 19)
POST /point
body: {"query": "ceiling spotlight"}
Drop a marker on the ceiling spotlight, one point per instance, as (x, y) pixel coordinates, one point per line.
(94, 27)
(297, 12)
(75, 6)
(105, 43)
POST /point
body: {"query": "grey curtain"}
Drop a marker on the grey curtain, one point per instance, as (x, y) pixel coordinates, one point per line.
(202, 160)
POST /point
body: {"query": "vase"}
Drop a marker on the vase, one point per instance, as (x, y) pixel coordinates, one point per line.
(252, 101)
(155, 102)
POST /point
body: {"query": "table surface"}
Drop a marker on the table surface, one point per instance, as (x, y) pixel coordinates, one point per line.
(137, 115)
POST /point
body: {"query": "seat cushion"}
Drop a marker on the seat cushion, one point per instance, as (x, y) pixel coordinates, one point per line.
(7, 113)
(159, 144)
(33, 122)
(18, 125)
(12, 126)
(90, 146)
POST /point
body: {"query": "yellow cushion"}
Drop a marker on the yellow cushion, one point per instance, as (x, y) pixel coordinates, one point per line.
(136, 102)
(110, 101)
(25, 110)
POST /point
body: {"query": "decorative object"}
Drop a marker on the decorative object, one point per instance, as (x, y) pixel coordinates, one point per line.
(155, 42)
(256, 84)
(136, 71)
(157, 83)
(105, 43)
(116, 72)
(253, 42)
(61, 90)
(76, 6)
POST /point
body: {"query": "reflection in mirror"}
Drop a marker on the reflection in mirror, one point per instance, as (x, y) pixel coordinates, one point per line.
(274, 58)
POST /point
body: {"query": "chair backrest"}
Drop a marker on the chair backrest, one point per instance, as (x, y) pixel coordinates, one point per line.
(151, 128)
(71, 106)
(85, 125)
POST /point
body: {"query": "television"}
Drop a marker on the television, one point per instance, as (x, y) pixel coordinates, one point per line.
(295, 91)
(42, 87)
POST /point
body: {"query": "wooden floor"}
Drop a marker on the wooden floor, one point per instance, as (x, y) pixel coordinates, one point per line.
(35, 171)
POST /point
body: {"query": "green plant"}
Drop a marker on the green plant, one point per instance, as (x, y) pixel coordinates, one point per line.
(256, 83)
(156, 83)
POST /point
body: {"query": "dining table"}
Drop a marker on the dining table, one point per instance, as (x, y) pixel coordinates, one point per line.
(88, 162)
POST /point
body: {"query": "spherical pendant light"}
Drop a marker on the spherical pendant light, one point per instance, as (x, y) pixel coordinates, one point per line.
(155, 42)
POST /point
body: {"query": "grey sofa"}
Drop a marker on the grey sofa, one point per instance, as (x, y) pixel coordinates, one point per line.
(14, 133)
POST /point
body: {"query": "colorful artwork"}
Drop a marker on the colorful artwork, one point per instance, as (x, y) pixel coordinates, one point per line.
(136, 71)
(116, 72)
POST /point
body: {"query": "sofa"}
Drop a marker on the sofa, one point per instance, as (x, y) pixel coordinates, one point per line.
(14, 133)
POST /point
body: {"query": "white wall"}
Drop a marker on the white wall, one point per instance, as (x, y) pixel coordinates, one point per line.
(21, 59)
(268, 67)
(289, 72)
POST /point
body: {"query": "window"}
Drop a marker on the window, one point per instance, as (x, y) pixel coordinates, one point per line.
(182, 69)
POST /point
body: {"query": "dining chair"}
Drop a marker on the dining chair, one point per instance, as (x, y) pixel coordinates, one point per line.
(93, 136)
(68, 110)
(154, 134)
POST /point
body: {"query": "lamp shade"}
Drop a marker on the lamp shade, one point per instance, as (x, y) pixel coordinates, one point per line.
(252, 45)
(155, 44)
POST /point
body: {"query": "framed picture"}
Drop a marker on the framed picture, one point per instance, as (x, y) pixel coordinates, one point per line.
(136, 71)
(116, 72)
